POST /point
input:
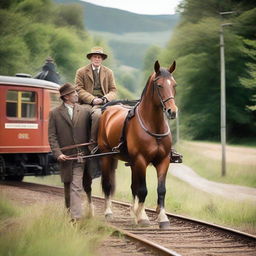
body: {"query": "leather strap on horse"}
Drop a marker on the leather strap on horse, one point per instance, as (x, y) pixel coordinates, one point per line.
(157, 135)
(122, 146)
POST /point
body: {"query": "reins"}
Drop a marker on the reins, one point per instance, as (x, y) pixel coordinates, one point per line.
(77, 145)
(159, 95)
(80, 156)
(156, 135)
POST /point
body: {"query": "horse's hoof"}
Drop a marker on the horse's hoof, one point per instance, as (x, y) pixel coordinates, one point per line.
(109, 216)
(164, 225)
(144, 223)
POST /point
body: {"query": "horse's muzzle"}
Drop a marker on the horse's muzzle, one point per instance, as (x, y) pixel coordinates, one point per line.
(170, 114)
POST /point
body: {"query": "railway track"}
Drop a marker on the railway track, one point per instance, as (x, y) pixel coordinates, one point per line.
(185, 236)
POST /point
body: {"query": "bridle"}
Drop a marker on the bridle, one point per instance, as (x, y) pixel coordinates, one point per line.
(163, 101)
(159, 95)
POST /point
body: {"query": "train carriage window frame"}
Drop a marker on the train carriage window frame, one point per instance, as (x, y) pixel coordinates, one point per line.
(21, 104)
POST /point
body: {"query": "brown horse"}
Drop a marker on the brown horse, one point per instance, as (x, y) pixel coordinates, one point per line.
(148, 141)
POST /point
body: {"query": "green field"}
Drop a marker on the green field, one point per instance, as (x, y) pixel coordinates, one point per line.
(205, 159)
(46, 230)
(182, 199)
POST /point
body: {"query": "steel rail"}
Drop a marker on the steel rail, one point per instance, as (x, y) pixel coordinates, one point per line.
(160, 250)
(220, 231)
(60, 190)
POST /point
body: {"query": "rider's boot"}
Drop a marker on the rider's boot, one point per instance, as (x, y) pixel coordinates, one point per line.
(175, 157)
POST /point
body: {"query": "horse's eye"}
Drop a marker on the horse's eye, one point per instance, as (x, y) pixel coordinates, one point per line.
(159, 86)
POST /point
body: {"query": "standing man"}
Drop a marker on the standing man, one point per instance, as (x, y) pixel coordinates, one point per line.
(68, 126)
(96, 86)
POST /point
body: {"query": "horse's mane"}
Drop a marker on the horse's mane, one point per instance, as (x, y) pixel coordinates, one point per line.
(146, 86)
(162, 72)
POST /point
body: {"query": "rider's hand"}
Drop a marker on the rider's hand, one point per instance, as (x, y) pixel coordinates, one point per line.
(62, 157)
(104, 100)
(97, 101)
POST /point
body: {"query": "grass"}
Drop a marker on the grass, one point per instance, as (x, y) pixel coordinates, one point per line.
(239, 173)
(7, 210)
(45, 230)
(183, 199)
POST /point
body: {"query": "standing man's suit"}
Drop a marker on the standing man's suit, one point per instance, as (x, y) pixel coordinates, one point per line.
(65, 132)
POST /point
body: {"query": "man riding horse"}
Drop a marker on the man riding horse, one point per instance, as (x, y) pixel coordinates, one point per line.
(96, 86)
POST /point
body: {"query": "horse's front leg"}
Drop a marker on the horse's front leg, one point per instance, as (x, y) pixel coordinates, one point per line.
(162, 169)
(87, 184)
(139, 191)
(108, 166)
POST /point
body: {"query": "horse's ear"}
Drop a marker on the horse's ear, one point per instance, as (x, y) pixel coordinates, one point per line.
(172, 67)
(157, 67)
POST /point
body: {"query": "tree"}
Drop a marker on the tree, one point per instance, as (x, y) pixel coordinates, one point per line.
(195, 46)
(70, 15)
(29, 34)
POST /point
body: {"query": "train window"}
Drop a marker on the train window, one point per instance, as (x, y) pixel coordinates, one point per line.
(55, 100)
(21, 104)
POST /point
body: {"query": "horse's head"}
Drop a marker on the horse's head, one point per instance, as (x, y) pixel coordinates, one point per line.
(164, 84)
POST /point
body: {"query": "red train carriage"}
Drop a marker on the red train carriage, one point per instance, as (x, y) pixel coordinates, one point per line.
(24, 107)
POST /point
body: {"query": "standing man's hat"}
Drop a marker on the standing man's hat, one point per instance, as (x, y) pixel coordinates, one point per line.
(97, 50)
(66, 88)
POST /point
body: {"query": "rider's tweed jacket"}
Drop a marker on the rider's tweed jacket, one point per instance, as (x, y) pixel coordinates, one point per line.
(85, 84)
(62, 131)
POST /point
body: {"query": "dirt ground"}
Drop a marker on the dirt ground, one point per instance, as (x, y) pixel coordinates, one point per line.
(241, 155)
(23, 197)
(188, 175)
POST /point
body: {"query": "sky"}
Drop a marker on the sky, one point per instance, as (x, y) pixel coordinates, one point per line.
(153, 7)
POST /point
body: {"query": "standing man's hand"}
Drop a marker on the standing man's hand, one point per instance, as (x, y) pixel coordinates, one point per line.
(97, 101)
(62, 157)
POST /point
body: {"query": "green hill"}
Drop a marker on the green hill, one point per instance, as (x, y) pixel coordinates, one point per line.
(128, 34)
(117, 21)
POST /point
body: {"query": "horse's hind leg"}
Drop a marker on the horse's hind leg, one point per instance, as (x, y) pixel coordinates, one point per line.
(108, 182)
(162, 169)
(87, 184)
(139, 191)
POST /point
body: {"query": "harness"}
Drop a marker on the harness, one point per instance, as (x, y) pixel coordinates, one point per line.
(122, 146)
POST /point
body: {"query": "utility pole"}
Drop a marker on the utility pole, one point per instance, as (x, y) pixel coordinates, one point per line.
(177, 129)
(223, 96)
